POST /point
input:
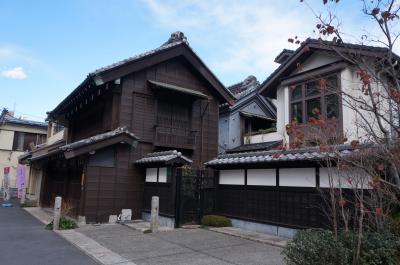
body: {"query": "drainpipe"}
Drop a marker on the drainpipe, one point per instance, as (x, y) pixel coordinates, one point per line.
(202, 113)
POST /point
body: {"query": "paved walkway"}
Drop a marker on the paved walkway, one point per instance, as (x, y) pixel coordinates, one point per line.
(182, 246)
(23, 240)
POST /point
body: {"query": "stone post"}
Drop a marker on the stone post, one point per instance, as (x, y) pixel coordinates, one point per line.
(23, 195)
(154, 214)
(57, 213)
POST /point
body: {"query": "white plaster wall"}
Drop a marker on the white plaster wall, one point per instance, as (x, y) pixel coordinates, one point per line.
(10, 159)
(297, 177)
(24, 129)
(162, 174)
(261, 177)
(330, 177)
(231, 177)
(316, 60)
(282, 100)
(349, 86)
(353, 123)
(261, 138)
(6, 139)
(55, 137)
(151, 174)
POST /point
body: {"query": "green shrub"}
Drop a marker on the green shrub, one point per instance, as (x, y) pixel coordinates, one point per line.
(394, 225)
(65, 224)
(315, 247)
(215, 221)
(28, 203)
(376, 248)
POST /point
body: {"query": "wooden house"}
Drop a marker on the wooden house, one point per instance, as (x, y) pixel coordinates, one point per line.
(145, 106)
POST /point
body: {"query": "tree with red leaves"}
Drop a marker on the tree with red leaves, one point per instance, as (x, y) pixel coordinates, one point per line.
(377, 105)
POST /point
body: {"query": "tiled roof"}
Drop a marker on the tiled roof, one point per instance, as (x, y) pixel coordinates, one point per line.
(98, 138)
(176, 39)
(13, 120)
(163, 157)
(255, 147)
(245, 87)
(321, 43)
(258, 157)
(284, 53)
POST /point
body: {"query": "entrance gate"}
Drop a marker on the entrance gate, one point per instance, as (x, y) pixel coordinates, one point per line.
(195, 196)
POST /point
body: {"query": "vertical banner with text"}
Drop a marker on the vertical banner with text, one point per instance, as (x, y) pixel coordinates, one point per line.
(20, 181)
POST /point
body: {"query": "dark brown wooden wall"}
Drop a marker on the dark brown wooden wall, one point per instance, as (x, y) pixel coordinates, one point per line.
(98, 117)
(138, 108)
(134, 105)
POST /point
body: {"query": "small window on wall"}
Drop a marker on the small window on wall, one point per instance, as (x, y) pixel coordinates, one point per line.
(160, 175)
(151, 174)
(231, 177)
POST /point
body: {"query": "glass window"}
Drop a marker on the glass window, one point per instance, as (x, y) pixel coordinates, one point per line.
(332, 106)
(296, 92)
(297, 112)
(309, 101)
(313, 108)
(23, 141)
(332, 83)
(18, 141)
(312, 89)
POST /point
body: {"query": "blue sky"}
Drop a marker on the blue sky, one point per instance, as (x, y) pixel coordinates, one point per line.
(48, 47)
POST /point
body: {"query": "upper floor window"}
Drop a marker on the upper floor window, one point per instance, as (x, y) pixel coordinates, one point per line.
(23, 140)
(312, 98)
(173, 116)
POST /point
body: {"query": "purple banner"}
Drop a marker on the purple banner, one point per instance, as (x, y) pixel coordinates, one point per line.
(20, 181)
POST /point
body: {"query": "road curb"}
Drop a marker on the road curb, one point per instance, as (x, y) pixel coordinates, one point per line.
(252, 236)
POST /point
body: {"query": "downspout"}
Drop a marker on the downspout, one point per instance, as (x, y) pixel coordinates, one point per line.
(202, 113)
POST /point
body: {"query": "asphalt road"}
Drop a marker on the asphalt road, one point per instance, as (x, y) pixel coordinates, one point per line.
(23, 240)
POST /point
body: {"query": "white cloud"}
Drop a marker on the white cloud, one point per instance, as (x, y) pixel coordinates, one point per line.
(241, 37)
(14, 73)
(244, 37)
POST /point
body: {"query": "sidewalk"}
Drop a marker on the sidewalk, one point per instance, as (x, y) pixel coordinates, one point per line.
(121, 244)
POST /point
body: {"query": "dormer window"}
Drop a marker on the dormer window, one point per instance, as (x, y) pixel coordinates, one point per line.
(311, 98)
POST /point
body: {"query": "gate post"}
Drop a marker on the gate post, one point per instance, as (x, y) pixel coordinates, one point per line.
(57, 213)
(154, 214)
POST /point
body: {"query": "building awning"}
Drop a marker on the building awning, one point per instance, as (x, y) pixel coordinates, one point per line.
(119, 135)
(43, 151)
(178, 89)
(258, 158)
(172, 157)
